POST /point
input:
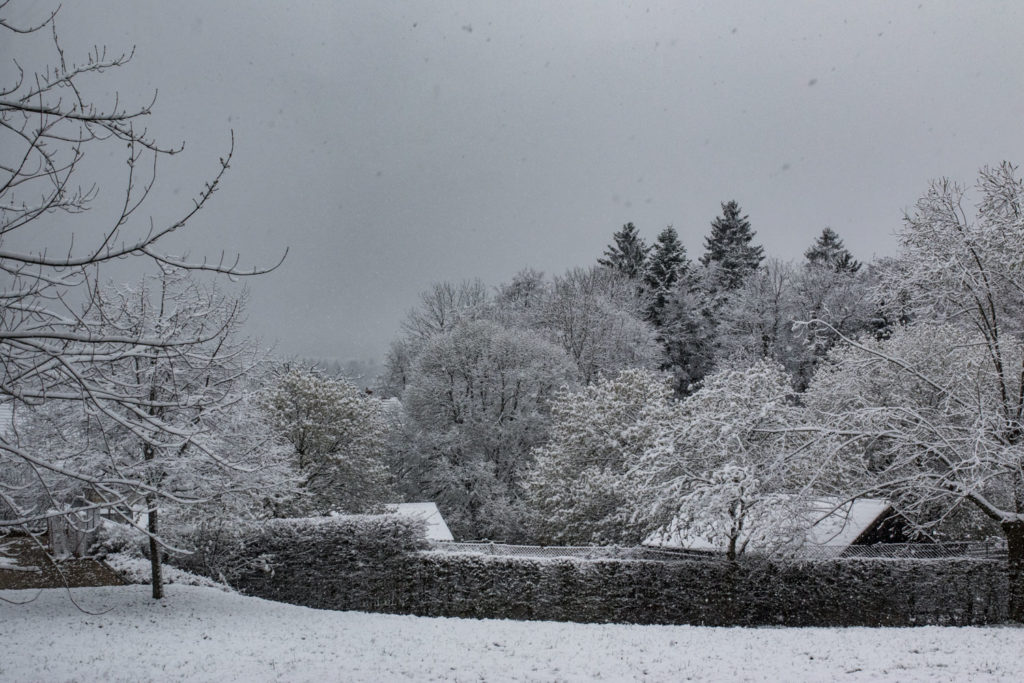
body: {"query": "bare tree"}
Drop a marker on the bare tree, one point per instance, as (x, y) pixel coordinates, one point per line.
(596, 315)
(57, 332)
(443, 306)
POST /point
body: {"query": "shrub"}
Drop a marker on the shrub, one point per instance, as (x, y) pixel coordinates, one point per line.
(114, 537)
(320, 561)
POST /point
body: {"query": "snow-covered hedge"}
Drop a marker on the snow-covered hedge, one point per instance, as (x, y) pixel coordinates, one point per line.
(377, 563)
(836, 593)
(337, 562)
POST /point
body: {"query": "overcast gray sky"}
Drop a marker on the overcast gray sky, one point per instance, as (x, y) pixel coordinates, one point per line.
(393, 144)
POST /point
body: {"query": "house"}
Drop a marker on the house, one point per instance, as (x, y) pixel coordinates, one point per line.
(837, 528)
(437, 528)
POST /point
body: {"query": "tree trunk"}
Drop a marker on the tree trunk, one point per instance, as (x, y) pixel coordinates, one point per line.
(156, 569)
(1014, 532)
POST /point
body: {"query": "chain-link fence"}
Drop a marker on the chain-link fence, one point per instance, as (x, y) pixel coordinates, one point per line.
(590, 552)
(981, 549)
(924, 551)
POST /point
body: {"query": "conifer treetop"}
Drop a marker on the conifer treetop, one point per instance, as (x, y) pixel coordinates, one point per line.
(729, 247)
(627, 254)
(668, 261)
(828, 250)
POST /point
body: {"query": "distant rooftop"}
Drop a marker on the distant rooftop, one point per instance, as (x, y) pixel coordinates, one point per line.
(835, 525)
(437, 528)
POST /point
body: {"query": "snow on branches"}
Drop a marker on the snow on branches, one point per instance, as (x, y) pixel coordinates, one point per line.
(934, 417)
(337, 438)
(627, 459)
(581, 488)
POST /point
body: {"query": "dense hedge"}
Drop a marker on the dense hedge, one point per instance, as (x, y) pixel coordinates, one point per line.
(836, 593)
(331, 562)
(378, 564)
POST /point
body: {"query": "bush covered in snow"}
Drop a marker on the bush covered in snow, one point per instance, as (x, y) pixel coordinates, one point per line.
(865, 592)
(126, 551)
(135, 569)
(343, 560)
(116, 538)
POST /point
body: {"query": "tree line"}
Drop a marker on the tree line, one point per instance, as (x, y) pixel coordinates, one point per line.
(716, 400)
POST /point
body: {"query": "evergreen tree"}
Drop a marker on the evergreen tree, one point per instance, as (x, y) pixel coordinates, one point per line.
(829, 251)
(689, 335)
(668, 264)
(627, 254)
(728, 248)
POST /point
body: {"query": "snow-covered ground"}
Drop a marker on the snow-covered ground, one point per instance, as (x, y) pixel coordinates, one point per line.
(200, 633)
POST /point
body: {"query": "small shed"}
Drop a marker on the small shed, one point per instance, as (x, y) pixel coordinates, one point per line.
(835, 526)
(437, 528)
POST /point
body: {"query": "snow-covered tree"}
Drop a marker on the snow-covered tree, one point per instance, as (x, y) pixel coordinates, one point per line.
(842, 298)
(727, 464)
(626, 459)
(398, 363)
(761, 319)
(667, 265)
(476, 404)
(627, 254)
(56, 343)
(690, 317)
(689, 334)
(338, 437)
(730, 509)
(443, 306)
(728, 250)
(580, 490)
(828, 251)
(152, 425)
(757, 321)
(527, 290)
(468, 426)
(595, 314)
(937, 412)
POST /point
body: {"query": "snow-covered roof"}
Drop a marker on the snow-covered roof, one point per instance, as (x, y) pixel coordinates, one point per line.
(391, 406)
(835, 524)
(437, 528)
(839, 525)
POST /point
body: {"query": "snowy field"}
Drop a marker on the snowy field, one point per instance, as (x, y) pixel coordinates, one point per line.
(204, 634)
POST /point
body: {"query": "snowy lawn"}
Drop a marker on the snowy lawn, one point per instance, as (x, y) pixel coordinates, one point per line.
(200, 633)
